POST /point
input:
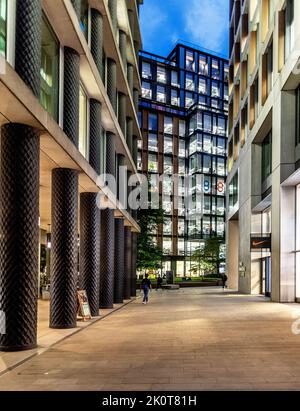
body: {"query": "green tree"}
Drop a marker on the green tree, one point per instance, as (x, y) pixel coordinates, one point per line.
(205, 258)
(149, 255)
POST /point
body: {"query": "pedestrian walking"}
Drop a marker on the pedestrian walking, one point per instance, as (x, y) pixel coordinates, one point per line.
(159, 283)
(224, 281)
(146, 287)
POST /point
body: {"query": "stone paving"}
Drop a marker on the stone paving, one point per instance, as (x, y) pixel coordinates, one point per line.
(191, 339)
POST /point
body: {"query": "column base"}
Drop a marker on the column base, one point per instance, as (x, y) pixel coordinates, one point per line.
(62, 327)
(18, 348)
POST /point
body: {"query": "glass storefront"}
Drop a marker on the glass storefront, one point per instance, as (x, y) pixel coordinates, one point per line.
(49, 70)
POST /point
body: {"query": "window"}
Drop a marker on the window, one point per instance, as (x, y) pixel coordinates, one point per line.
(152, 122)
(215, 89)
(167, 245)
(267, 157)
(83, 102)
(203, 65)
(181, 166)
(233, 191)
(206, 164)
(3, 26)
(174, 97)
(207, 146)
(167, 226)
(182, 128)
(146, 90)
(181, 151)
(161, 94)
(84, 17)
(189, 99)
(181, 251)
(181, 227)
(161, 75)
(152, 142)
(152, 163)
(49, 72)
(174, 79)
(298, 117)
(289, 20)
(202, 86)
(167, 205)
(146, 71)
(190, 61)
(168, 145)
(168, 166)
(189, 82)
(168, 125)
(139, 161)
(207, 123)
(221, 166)
(226, 72)
(154, 184)
(215, 69)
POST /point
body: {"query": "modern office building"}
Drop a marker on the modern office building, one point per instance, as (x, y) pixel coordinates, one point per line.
(69, 88)
(263, 216)
(183, 118)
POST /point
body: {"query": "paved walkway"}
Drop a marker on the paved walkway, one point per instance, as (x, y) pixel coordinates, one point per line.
(190, 339)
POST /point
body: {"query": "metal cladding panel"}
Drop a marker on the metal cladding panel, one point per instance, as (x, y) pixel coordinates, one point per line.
(19, 230)
(64, 248)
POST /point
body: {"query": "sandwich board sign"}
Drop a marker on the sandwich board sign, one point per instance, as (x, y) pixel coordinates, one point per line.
(84, 310)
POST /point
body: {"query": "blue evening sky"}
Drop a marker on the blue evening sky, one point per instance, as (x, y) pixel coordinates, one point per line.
(201, 22)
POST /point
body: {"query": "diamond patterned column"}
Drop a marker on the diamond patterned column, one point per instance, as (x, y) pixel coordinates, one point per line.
(71, 94)
(110, 154)
(95, 135)
(19, 231)
(119, 261)
(129, 132)
(107, 263)
(77, 6)
(112, 83)
(28, 43)
(113, 9)
(130, 77)
(97, 39)
(136, 98)
(64, 248)
(122, 47)
(90, 249)
(127, 262)
(122, 112)
(134, 258)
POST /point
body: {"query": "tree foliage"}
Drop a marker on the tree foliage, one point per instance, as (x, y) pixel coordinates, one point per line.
(149, 255)
(205, 258)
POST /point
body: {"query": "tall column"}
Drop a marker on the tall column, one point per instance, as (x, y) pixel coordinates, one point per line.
(119, 280)
(122, 47)
(134, 258)
(135, 149)
(113, 10)
(95, 135)
(122, 112)
(90, 249)
(28, 43)
(71, 94)
(129, 132)
(112, 83)
(122, 180)
(77, 7)
(131, 21)
(64, 248)
(19, 231)
(97, 39)
(130, 77)
(127, 262)
(108, 235)
(107, 264)
(136, 97)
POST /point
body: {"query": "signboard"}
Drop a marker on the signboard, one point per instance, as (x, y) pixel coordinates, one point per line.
(260, 243)
(84, 310)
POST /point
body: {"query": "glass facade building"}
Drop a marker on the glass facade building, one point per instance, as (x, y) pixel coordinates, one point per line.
(183, 119)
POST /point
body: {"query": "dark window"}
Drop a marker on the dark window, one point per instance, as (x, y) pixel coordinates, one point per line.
(266, 157)
(234, 190)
